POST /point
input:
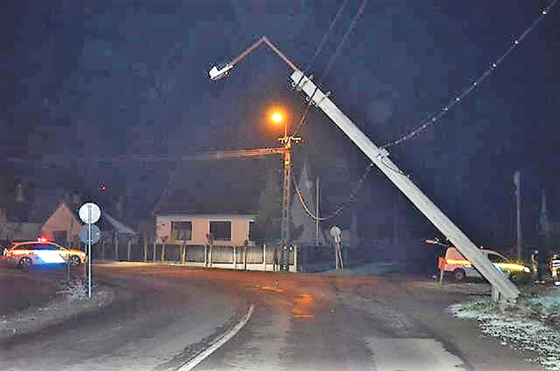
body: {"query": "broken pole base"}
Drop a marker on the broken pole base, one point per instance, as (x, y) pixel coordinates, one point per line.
(499, 300)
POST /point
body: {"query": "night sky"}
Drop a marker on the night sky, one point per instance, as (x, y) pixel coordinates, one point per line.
(85, 80)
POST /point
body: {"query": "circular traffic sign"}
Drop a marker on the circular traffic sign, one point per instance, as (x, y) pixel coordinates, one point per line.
(95, 234)
(89, 213)
(335, 231)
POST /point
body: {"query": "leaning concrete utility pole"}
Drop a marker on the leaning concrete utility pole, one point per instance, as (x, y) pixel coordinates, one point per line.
(501, 285)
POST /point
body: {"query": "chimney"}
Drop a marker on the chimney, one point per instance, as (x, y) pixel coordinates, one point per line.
(20, 197)
(76, 199)
(3, 216)
(119, 206)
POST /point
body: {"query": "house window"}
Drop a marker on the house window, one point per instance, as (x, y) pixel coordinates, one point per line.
(181, 231)
(60, 236)
(221, 231)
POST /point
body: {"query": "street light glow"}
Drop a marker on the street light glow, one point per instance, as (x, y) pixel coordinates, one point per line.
(277, 117)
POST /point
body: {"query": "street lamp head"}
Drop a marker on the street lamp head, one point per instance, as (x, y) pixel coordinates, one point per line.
(277, 117)
(219, 72)
(277, 114)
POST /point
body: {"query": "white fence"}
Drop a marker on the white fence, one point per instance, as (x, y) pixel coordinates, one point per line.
(250, 258)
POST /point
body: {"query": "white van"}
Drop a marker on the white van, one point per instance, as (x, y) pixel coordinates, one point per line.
(456, 264)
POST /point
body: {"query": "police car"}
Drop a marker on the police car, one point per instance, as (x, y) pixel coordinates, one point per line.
(25, 254)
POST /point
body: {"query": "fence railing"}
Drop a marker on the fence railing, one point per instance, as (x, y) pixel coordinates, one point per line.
(256, 258)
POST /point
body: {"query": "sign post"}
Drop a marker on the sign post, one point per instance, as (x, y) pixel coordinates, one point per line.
(89, 214)
(336, 233)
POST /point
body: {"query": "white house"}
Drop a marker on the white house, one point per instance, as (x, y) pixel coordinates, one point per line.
(193, 229)
(63, 225)
(213, 199)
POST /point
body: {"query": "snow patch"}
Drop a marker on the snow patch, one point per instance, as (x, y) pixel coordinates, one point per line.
(74, 302)
(549, 302)
(516, 327)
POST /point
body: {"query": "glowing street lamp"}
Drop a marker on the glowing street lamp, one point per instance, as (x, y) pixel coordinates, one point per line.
(277, 117)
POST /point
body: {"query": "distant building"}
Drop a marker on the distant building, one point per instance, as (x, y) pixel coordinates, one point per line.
(52, 213)
(63, 225)
(17, 220)
(218, 198)
(192, 229)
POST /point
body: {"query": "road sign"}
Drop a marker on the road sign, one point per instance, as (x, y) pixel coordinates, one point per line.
(95, 234)
(90, 234)
(89, 213)
(335, 233)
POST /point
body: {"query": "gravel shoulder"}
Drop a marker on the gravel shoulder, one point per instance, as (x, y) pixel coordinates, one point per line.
(21, 289)
(64, 307)
(40, 297)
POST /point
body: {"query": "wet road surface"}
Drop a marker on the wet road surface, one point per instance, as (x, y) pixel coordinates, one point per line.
(164, 316)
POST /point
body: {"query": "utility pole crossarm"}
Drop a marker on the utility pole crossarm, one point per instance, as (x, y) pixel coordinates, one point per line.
(219, 155)
(380, 158)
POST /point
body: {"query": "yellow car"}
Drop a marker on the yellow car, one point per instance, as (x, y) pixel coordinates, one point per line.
(25, 254)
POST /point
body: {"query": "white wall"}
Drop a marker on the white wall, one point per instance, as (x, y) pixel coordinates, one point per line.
(201, 227)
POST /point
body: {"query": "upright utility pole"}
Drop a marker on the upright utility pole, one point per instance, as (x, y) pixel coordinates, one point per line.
(287, 141)
(317, 211)
(517, 182)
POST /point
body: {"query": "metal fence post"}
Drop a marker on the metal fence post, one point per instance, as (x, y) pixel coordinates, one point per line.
(129, 248)
(145, 240)
(295, 257)
(116, 243)
(264, 256)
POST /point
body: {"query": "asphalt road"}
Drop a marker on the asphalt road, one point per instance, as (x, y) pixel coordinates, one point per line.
(164, 316)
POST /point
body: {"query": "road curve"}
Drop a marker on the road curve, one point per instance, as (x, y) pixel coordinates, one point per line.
(154, 323)
(166, 316)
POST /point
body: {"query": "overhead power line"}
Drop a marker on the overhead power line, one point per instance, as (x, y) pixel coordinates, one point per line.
(429, 122)
(333, 58)
(330, 64)
(340, 208)
(434, 119)
(344, 38)
(325, 37)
